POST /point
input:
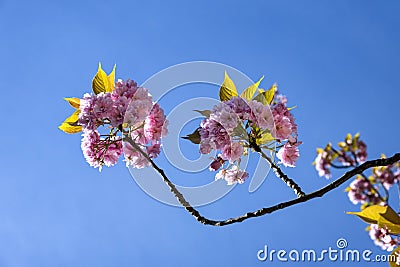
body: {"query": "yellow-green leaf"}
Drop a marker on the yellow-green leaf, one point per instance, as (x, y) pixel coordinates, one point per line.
(205, 113)
(265, 138)
(111, 79)
(370, 214)
(228, 89)
(261, 98)
(249, 92)
(240, 131)
(101, 82)
(193, 137)
(393, 257)
(390, 219)
(73, 101)
(269, 95)
(70, 124)
(266, 96)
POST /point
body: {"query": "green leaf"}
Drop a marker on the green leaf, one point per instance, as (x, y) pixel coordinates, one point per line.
(265, 138)
(260, 98)
(73, 101)
(266, 97)
(111, 79)
(228, 89)
(370, 214)
(390, 219)
(240, 131)
(393, 257)
(193, 137)
(383, 216)
(249, 92)
(205, 113)
(101, 82)
(70, 124)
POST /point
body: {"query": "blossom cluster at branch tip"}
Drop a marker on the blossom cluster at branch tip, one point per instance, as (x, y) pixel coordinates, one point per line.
(387, 175)
(366, 190)
(236, 125)
(362, 191)
(351, 152)
(232, 176)
(382, 237)
(127, 109)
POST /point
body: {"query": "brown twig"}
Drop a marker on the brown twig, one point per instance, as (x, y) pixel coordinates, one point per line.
(306, 197)
(289, 182)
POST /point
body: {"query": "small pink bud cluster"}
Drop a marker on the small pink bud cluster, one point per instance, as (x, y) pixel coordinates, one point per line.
(362, 191)
(387, 175)
(232, 176)
(285, 129)
(235, 125)
(147, 136)
(382, 238)
(351, 152)
(127, 107)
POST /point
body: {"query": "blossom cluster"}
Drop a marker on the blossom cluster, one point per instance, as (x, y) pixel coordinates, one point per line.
(237, 125)
(129, 110)
(382, 237)
(364, 190)
(352, 151)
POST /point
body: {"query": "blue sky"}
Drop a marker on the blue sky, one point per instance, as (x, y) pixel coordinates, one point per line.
(337, 61)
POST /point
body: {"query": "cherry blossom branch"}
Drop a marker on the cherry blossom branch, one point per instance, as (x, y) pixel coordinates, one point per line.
(306, 197)
(375, 190)
(289, 182)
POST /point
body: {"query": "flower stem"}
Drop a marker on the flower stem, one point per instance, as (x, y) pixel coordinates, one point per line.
(289, 182)
(305, 197)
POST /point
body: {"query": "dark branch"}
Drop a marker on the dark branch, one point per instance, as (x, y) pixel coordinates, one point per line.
(305, 197)
(289, 182)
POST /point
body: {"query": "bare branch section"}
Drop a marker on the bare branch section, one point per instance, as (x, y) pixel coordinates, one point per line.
(305, 197)
(289, 182)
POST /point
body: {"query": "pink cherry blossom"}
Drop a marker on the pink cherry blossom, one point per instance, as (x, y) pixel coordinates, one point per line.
(139, 107)
(153, 150)
(216, 164)
(134, 158)
(323, 164)
(98, 152)
(361, 191)
(124, 88)
(288, 154)
(261, 115)
(361, 152)
(232, 151)
(87, 116)
(103, 106)
(213, 136)
(284, 122)
(240, 107)
(118, 112)
(225, 116)
(154, 125)
(232, 176)
(386, 176)
(382, 238)
(127, 103)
